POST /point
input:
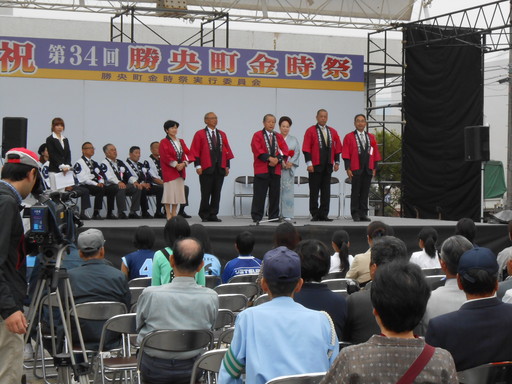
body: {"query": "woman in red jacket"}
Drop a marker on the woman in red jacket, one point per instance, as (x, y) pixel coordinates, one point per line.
(174, 158)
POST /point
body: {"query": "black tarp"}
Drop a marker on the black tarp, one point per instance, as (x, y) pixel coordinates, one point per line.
(443, 94)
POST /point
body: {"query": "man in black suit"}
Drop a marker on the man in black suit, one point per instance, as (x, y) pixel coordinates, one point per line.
(479, 332)
(361, 323)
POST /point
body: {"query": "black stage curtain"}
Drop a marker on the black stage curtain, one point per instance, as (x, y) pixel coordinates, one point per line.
(443, 94)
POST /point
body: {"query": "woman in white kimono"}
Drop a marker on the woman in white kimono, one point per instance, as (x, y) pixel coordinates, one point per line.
(288, 168)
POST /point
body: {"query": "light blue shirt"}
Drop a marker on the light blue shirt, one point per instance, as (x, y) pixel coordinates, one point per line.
(280, 337)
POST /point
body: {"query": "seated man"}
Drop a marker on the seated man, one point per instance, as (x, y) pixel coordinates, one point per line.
(399, 296)
(117, 174)
(361, 324)
(96, 280)
(244, 264)
(90, 176)
(314, 261)
(141, 172)
(449, 297)
(280, 337)
(505, 264)
(479, 332)
(181, 304)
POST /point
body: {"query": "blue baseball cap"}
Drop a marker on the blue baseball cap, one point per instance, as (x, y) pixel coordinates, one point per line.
(477, 258)
(281, 265)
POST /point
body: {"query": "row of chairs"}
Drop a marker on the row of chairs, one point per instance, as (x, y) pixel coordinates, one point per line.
(243, 188)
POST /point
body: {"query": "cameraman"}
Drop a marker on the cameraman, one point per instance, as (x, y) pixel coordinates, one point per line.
(19, 175)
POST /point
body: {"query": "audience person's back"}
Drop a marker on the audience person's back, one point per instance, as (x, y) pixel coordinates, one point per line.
(140, 263)
(175, 229)
(449, 297)
(467, 228)
(361, 324)
(505, 265)
(479, 332)
(212, 264)
(340, 260)
(360, 267)
(280, 337)
(427, 257)
(314, 258)
(245, 263)
(399, 295)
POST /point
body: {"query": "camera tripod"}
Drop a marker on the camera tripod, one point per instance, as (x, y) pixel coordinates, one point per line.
(53, 283)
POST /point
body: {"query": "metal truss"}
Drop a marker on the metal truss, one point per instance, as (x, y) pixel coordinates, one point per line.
(490, 21)
(385, 67)
(359, 14)
(204, 37)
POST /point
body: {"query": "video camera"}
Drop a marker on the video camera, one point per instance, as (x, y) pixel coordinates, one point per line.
(53, 220)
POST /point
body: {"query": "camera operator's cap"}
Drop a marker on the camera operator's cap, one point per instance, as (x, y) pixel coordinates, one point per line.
(281, 265)
(477, 258)
(22, 156)
(90, 240)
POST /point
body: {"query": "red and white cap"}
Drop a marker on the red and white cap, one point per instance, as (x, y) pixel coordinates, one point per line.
(22, 156)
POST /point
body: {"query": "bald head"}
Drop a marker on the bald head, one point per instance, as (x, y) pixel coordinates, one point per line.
(187, 255)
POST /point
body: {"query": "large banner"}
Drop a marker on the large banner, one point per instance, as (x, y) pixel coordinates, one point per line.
(132, 62)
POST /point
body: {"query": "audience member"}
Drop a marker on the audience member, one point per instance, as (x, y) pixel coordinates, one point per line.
(361, 324)
(280, 337)
(427, 257)
(479, 332)
(467, 228)
(245, 263)
(175, 229)
(96, 280)
(314, 264)
(503, 260)
(340, 260)
(211, 262)
(399, 295)
(360, 268)
(286, 235)
(182, 304)
(140, 263)
(449, 297)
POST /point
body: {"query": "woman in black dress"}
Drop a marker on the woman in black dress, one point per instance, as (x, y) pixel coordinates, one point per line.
(58, 150)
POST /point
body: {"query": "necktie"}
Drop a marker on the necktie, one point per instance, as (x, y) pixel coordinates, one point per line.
(214, 140)
(324, 132)
(272, 148)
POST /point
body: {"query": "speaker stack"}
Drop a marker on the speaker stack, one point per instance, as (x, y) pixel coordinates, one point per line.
(476, 143)
(14, 133)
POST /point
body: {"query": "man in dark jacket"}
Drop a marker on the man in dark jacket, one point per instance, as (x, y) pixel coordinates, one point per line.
(479, 332)
(19, 175)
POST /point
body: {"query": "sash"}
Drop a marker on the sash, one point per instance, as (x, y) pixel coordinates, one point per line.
(157, 164)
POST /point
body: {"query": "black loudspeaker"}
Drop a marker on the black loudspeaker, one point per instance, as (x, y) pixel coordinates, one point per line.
(14, 133)
(476, 143)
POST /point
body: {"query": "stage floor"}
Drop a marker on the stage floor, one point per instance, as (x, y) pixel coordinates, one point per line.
(119, 233)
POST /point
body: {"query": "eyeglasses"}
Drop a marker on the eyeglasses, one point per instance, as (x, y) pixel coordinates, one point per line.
(88, 148)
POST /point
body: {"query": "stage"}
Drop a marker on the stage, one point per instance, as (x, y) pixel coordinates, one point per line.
(119, 234)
